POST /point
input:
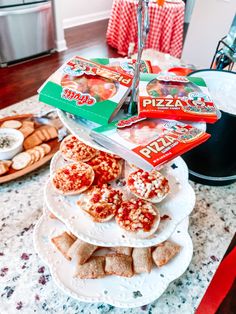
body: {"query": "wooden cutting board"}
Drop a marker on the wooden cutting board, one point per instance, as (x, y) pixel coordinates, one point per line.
(15, 174)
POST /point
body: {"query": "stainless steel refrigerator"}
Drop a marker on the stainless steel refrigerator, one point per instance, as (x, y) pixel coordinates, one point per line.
(26, 29)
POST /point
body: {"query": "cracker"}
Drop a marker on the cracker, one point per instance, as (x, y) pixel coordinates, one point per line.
(63, 242)
(28, 123)
(21, 161)
(13, 124)
(3, 168)
(32, 141)
(40, 150)
(94, 268)
(26, 130)
(46, 147)
(33, 158)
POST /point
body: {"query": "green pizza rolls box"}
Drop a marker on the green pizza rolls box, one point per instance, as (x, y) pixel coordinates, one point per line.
(87, 89)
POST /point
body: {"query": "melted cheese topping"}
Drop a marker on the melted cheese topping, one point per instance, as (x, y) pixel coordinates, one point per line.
(148, 185)
(73, 149)
(73, 177)
(136, 215)
(106, 168)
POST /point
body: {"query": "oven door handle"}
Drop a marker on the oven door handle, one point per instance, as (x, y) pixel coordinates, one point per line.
(20, 10)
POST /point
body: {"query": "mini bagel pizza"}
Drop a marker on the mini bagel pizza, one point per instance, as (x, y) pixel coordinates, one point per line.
(151, 186)
(106, 168)
(138, 217)
(101, 203)
(73, 149)
(72, 179)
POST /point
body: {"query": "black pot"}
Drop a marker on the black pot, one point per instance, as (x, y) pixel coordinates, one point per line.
(214, 162)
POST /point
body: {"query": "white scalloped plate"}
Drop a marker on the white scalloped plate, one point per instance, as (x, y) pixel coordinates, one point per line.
(81, 128)
(177, 205)
(113, 290)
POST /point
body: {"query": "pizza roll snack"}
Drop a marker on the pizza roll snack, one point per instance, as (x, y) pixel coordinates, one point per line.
(122, 250)
(101, 203)
(72, 179)
(73, 149)
(63, 242)
(119, 265)
(142, 260)
(164, 252)
(138, 217)
(151, 186)
(92, 269)
(82, 251)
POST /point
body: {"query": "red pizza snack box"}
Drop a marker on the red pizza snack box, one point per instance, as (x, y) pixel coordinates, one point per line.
(149, 143)
(175, 97)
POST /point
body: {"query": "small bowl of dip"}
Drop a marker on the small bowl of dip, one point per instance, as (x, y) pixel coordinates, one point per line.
(11, 143)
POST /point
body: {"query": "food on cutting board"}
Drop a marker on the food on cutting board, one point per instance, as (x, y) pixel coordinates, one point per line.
(12, 124)
(73, 149)
(28, 157)
(151, 186)
(91, 265)
(73, 178)
(4, 166)
(34, 137)
(40, 135)
(101, 203)
(139, 218)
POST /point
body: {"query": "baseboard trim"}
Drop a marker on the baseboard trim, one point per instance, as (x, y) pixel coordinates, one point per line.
(60, 45)
(85, 19)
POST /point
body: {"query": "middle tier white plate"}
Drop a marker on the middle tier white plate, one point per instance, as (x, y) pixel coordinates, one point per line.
(177, 205)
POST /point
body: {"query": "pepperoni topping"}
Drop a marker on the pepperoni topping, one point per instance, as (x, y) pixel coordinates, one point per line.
(106, 168)
(148, 185)
(74, 150)
(73, 177)
(135, 215)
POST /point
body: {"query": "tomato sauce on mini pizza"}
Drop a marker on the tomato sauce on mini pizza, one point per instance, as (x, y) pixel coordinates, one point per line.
(76, 177)
(106, 168)
(152, 186)
(73, 149)
(101, 202)
(136, 214)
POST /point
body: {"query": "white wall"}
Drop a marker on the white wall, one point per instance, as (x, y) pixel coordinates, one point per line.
(78, 12)
(210, 21)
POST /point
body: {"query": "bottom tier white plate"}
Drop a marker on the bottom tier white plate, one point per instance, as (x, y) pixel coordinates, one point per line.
(121, 292)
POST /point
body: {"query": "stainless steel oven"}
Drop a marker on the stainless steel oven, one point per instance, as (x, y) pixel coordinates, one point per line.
(26, 29)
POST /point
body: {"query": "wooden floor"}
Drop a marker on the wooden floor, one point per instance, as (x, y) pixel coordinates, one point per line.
(20, 81)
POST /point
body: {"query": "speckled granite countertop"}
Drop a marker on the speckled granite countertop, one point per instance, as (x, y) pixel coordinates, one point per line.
(26, 285)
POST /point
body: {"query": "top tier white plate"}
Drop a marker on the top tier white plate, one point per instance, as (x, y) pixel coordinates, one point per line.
(177, 205)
